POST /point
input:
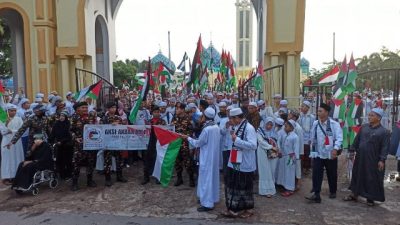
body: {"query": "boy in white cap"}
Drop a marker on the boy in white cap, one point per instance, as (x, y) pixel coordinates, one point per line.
(265, 111)
(306, 121)
(289, 153)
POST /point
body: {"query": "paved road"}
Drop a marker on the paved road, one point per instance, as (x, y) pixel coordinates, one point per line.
(132, 203)
(14, 218)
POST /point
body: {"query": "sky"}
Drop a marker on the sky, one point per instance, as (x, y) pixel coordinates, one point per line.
(361, 27)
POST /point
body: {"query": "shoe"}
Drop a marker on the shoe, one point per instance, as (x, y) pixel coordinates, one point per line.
(204, 209)
(370, 202)
(91, 183)
(314, 198)
(332, 195)
(145, 181)
(108, 183)
(179, 181)
(158, 182)
(398, 178)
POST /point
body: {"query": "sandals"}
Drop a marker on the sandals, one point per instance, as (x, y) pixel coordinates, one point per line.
(287, 193)
(230, 214)
(245, 214)
(350, 198)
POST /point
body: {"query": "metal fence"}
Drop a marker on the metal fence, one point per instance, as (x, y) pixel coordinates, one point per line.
(247, 86)
(108, 91)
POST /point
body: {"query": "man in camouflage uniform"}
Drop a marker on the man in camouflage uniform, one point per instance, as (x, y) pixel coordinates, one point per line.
(111, 117)
(38, 123)
(185, 159)
(78, 121)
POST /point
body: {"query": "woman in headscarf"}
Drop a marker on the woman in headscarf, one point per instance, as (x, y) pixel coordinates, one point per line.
(12, 156)
(61, 136)
(40, 158)
(267, 153)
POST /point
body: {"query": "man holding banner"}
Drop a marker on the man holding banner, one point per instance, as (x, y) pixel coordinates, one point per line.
(78, 121)
(110, 117)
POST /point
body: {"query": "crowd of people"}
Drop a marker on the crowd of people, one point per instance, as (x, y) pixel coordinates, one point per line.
(244, 140)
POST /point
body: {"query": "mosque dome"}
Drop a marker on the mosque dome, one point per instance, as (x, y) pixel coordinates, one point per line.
(213, 55)
(304, 62)
(160, 58)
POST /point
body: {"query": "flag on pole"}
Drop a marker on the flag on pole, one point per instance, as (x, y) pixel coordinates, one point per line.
(91, 91)
(168, 145)
(196, 67)
(351, 76)
(258, 79)
(331, 76)
(3, 110)
(182, 65)
(143, 95)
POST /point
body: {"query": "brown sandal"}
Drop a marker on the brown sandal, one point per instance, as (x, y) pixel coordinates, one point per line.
(245, 214)
(230, 214)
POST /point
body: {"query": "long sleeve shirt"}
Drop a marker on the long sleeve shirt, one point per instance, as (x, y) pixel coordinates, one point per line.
(306, 122)
(248, 146)
(226, 139)
(335, 138)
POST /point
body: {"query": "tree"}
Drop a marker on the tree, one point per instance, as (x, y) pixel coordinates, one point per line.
(385, 59)
(126, 70)
(5, 51)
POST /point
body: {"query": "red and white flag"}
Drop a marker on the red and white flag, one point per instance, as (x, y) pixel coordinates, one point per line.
(331, 76)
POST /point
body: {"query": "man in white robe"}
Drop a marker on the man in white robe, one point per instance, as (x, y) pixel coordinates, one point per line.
(12, 156)
(209, 144)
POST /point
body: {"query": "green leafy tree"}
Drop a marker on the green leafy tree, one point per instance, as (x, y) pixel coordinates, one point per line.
(126, 70)
(5, 51)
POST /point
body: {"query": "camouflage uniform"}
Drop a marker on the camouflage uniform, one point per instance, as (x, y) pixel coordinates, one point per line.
(185, 158)
(77, 124)
(36, 125)
(110, 119)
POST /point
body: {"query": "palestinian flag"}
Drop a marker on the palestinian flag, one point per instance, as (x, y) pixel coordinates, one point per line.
(354, 107)
(342, 73)
(258, 79)
(163, 74)
(91, 91)
(353, 133)
(340, 93)
(196, 67)
(168, 145)
(3, 110)
(336, 111)
(351, 76)
(331, 76)
(143, 95)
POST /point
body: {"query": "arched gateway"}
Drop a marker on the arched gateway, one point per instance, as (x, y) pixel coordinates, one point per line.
(50, 38)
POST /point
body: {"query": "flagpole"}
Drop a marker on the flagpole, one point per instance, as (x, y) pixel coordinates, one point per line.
(334, 46)
(169, 47)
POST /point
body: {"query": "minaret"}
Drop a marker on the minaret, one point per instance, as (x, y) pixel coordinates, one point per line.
(244, 37)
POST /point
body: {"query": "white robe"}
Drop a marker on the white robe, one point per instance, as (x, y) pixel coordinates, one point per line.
(208, 180)
(266, 168)
(286, 170)
(11, 158)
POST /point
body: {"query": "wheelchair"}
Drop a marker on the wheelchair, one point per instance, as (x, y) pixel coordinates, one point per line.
(40, 177)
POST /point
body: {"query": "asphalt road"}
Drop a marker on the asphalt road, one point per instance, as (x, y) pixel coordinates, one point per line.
(45, 218)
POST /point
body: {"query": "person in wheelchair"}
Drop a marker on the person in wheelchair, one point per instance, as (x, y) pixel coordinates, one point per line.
(41, 158)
